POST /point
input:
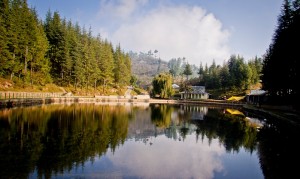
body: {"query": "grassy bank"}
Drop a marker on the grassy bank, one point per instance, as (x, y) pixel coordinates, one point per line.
(8, 85)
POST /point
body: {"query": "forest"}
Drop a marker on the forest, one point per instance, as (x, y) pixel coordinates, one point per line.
(56, 50)
(277, 72)
(280, 73)
(59, 51)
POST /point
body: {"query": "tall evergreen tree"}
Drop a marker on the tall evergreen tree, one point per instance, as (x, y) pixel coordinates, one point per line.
(106, 64)
(122, 67)
(174, 66)
(37, 52)
(276, 61)
(281, 61)
(225, 77)
(5, 56)
(255, 66)
(294, 53)
(239, 72)
(187, 71)
(67, 64)
(56, 52)
(74, 52)
(39, 64)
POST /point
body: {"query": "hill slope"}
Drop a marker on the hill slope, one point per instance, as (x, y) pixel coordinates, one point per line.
(145, 67)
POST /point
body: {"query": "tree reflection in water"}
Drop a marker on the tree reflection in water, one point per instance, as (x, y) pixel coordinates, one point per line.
(56, 139)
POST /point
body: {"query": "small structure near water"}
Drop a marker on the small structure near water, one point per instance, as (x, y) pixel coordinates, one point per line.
(196, 92)
(256, 96)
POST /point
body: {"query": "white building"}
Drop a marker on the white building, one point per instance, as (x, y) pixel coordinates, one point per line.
(197, 92)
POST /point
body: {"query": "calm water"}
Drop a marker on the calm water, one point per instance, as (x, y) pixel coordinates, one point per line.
(145, 141)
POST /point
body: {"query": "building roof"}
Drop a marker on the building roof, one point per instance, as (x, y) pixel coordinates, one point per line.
(196, 90)
(257, 92)
(175, 86)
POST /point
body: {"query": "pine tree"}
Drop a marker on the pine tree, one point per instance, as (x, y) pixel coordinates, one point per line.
(127, 64)
(56, 53)
(224, 77)
(239, 72)
(294, 53)
(255, 66)
(122, 69)
(39, 64)
(187, 71)
(66, 53)
(5, 56)
(106, 64)
(74, 53)
(92, 67)
(277, 61)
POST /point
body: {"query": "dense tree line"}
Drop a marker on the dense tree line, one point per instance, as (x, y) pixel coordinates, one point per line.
(281, 61)
(234, 74)
(178, 66)
(35, 52)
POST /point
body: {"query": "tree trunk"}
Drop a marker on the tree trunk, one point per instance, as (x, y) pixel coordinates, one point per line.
(25, 60)
(31, 74)
(11, 75)
(103, 86)
(75, 84)
(87, 86)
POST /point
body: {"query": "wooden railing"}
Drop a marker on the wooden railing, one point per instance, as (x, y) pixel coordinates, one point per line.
(28, 95)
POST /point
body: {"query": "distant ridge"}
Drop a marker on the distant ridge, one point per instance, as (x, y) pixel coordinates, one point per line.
(146, 66)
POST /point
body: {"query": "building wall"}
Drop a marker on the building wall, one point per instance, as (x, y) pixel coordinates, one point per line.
(194, 96)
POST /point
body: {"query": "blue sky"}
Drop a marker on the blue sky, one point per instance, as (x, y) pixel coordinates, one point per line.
(199, 30)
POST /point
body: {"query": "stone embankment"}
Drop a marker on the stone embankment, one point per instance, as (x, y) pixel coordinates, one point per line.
(11, 99)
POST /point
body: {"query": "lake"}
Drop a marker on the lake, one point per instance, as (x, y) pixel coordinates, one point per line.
(144, 140)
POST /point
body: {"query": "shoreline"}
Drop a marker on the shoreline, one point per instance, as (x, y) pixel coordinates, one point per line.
(276, 111)
(19, 102)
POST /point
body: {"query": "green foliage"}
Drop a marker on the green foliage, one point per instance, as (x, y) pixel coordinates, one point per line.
(122, 67)
(69, 137)
(281, 65)
(175, 66)
(161, 115)
(162, 85)
(187, 71)
(23, 44)
(239, 72)
(133, 80)
(234, 75)
(38, 53)
(255, 66)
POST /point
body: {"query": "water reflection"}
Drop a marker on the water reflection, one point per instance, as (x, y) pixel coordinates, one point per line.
(132, 141)
(52, 139)
(169, 158)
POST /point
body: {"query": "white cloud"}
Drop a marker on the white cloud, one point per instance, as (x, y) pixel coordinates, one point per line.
(120, 9)
(175, 31)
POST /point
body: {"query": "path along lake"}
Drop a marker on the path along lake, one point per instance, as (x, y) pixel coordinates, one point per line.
(145, 140)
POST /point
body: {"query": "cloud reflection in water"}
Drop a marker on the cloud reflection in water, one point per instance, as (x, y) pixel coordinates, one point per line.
(167, 158)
